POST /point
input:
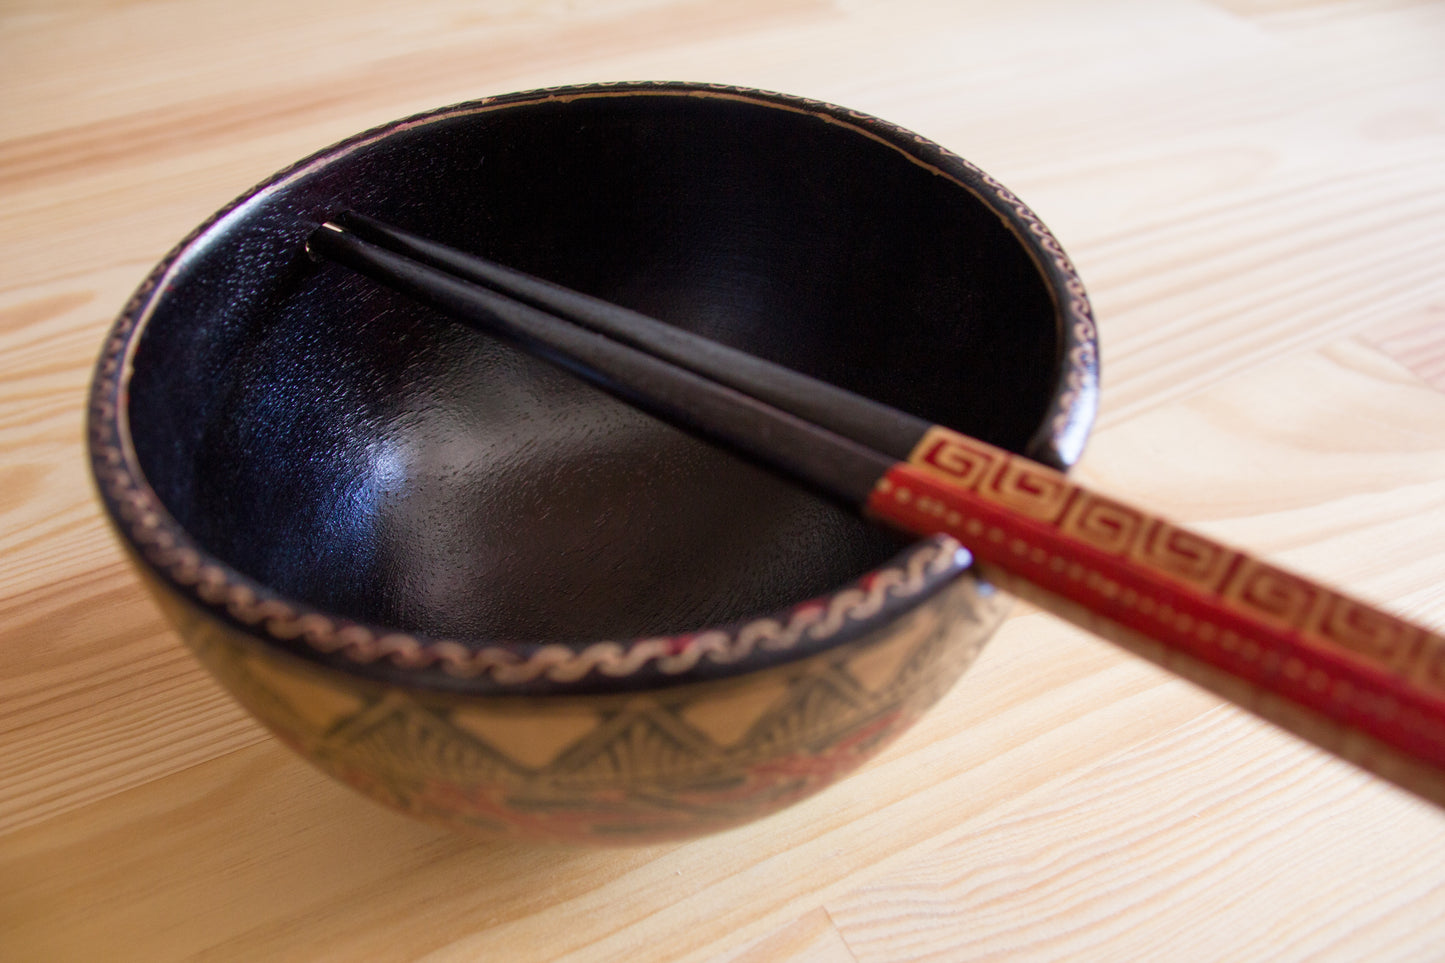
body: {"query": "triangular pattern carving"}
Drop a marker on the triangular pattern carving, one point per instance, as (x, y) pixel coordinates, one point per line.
(634, 745)
(816, 707)
(923, 659)
(942, 653)
(727, 719)
(398, 736)
(877, 666)
(530, 739)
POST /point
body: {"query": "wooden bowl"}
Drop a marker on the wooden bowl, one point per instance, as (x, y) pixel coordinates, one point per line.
(492, 596)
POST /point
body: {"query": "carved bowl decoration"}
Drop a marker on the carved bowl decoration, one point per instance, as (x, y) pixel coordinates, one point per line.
(491, 596)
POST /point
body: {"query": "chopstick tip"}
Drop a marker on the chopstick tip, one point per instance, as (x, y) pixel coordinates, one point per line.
(310, 249)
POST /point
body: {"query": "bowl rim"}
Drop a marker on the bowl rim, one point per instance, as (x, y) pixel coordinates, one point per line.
(479, 666)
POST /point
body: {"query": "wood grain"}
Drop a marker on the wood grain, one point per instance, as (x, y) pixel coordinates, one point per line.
(1252, 190)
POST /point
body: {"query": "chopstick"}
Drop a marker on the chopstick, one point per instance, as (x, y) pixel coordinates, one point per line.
(1351, 678)
(884, 429)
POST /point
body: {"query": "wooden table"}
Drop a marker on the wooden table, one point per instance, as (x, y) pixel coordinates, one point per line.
(1254, 191)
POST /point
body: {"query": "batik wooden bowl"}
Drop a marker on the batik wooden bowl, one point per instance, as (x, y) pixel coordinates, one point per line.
(489, 595)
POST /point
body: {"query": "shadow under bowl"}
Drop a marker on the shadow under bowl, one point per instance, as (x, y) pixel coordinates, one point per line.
(495, 597)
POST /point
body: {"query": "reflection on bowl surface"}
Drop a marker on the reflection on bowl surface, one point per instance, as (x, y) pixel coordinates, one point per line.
(489, 594)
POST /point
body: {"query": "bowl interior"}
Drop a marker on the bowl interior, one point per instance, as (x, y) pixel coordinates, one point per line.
(360, 453)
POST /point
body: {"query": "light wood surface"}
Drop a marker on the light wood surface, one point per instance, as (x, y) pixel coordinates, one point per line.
(1254, 191)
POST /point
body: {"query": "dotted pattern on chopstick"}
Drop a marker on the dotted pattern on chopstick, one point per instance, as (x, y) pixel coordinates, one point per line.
(1282, 633)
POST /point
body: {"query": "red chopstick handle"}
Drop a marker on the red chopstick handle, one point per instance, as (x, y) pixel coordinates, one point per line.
(1361, 682)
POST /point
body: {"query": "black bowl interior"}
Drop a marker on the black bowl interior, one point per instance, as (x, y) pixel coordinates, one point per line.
(360, 453)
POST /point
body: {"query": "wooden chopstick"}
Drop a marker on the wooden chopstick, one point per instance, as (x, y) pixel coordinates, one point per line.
(1349, 677)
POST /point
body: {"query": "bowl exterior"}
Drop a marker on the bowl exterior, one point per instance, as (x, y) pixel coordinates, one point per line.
(612, 768)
